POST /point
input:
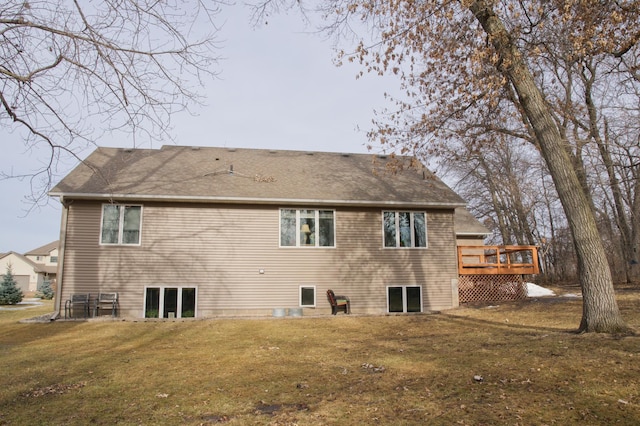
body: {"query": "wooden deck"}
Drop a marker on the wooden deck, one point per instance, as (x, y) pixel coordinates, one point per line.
(498, 260)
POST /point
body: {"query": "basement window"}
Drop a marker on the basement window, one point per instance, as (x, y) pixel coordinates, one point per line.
(308, 296)
(170, 302)
(404, 298)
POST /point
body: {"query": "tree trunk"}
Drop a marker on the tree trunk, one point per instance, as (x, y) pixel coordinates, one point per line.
(497, 204)
(600, 311)
(551, 251)
(614, 184)
(634, 261)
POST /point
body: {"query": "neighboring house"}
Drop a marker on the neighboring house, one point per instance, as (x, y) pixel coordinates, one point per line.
(46, 255)
(32, 269)
(195, 231)
(469, 232)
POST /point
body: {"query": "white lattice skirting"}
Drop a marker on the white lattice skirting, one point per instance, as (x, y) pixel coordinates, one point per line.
(490, 288)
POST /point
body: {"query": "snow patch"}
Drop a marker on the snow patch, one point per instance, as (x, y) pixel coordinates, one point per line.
(572, 295)
(534, 290)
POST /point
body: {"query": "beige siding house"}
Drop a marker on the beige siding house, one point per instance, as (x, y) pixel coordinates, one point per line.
(469, 231)
(199, 232)
(32, 269)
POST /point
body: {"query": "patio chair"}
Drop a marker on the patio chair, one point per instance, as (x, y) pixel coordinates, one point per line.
(107, 301)
(78, 303)
(338, 303)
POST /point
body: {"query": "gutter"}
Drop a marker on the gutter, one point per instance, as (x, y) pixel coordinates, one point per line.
(250, 200)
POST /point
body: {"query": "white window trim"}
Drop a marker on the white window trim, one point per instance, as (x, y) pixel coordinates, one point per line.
(315, 296)
(411, 225)
(120, 225)
(317, 220)
(161, 301)
(404, 298)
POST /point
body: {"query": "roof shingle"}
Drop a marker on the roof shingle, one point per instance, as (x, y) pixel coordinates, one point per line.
(179, 173)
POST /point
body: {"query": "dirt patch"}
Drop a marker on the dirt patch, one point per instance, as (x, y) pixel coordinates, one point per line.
(57, 389)
(270, 409)
(208, 419)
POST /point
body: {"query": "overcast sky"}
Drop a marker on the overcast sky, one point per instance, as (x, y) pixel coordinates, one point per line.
(278, 89)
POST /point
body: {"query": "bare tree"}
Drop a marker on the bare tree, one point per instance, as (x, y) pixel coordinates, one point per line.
(496, 181)
(465, 60)
(594, 101)
(600, 310)
(71, 71)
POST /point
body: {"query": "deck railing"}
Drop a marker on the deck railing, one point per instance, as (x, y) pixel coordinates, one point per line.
(497, 260)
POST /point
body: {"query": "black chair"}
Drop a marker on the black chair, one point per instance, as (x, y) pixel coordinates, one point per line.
(77, 303)
(338, 303)
(106, 301)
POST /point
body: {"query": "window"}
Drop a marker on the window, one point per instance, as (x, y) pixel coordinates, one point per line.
(170, 302)
(120, 224)
(404, 298)
(404, 229)
(307, 228)
(308, 296)
(54, 259)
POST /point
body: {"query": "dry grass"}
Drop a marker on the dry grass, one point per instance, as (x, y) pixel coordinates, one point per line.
(324, 371)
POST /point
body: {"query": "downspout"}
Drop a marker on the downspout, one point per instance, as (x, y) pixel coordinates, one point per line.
(61, 250)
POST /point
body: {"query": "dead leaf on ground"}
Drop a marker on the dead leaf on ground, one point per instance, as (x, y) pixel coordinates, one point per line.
(57, 389)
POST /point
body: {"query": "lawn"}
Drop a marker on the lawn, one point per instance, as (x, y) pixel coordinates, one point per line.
(509, 364)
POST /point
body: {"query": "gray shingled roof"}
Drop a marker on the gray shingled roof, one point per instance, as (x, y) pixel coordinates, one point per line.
(45, 250)
(467, 224)
(205, 174)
